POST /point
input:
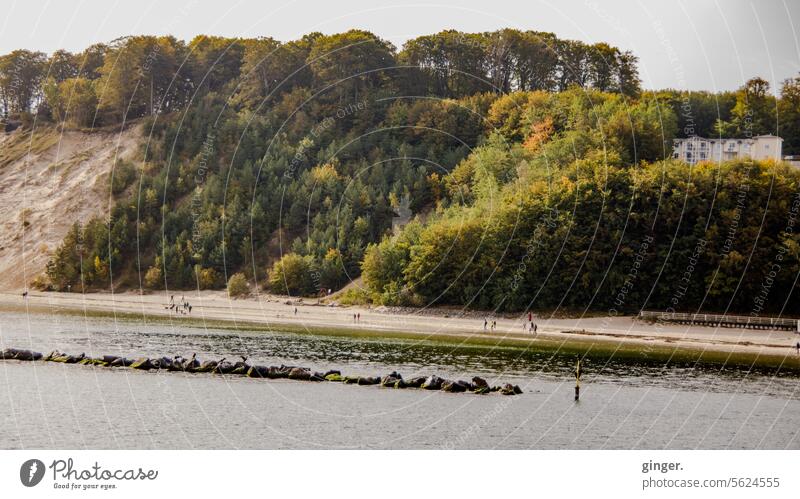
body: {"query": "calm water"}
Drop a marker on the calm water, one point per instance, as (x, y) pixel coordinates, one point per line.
(622, 405)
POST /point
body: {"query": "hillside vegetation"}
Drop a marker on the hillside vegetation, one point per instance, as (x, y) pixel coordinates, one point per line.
(537, 173)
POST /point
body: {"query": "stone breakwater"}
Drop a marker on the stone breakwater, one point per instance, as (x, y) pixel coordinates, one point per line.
(242, 368)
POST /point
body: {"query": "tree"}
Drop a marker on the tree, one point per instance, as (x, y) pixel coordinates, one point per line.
(789, 116)
(72, 100)
(21, 75)
(294, 275)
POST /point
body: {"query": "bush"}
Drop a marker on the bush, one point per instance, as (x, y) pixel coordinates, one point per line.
(154, 278)
(294, 275)
(238, 285)
(206, 278)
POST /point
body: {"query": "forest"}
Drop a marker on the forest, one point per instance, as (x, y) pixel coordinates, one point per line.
(537, 172)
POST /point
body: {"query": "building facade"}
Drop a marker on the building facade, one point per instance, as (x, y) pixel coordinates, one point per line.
(696, 149)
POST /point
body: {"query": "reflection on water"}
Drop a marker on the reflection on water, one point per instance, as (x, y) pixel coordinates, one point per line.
(623, 405)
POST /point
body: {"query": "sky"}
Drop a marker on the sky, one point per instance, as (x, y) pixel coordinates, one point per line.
(709, 45)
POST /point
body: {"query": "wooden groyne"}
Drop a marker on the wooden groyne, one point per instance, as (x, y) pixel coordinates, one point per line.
(722, 320)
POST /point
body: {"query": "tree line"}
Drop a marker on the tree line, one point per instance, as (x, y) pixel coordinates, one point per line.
(536, 167)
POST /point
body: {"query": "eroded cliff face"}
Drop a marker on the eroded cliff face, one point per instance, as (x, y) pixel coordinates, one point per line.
(49, 180)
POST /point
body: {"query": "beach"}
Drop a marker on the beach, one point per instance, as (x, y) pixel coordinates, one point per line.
(623, 335)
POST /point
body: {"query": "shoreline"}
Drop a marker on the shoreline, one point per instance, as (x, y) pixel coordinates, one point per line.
(623, 338)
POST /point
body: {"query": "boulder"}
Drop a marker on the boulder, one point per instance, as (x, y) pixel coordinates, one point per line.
(391, 379)
(415, 382)
(334, 377)
(368, 380)
(240, 368)
(481, 390)
(27, 355)
(455, 386)
(74, 359)
(433, 383)
(143, 364)
(317, 376)
(224, 368)
(299, 373)
(108, 359)
(9, 353)
(508, 389)
(332, 371)
(479, 382)
(121, 362)
(400, 384)
(257, 372)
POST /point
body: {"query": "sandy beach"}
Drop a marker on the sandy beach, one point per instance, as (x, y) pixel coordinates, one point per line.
(275, 312)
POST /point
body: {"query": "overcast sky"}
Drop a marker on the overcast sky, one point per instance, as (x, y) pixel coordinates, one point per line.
(698, 45)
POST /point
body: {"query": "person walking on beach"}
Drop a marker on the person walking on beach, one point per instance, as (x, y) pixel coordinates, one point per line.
(295, 310)
(359, 318)
(485, 323)
(798, 347)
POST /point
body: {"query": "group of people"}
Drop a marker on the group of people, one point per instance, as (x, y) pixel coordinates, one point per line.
(528, 326)
(184, 307)
(357, 317)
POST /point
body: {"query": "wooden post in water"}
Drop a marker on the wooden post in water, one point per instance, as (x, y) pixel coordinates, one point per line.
(578, 380)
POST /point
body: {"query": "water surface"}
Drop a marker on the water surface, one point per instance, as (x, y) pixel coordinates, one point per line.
(623, 405)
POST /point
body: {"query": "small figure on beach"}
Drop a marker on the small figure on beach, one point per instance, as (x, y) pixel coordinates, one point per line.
(485, 323)
(535, 328)
(25, 294)
(798, 347)
(295, 310)
(359, 317)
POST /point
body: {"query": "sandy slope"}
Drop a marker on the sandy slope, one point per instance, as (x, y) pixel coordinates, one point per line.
(49, 180)
(276, 311)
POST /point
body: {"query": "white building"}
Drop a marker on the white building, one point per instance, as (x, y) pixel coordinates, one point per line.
(696, 149)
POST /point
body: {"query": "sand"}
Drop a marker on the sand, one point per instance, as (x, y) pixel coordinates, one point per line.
(279, 312)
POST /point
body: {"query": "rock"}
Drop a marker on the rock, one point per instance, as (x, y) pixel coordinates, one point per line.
(334, 377)
(74, 359)
(88, 361)
(240, 368)
(50, 356)
(121, 362)
(9, 353)
(415, 382)
(479, 382)
(517, 390)
(507, 389)
(317, 376)
(466, 385)
(258, 372)
(224, 368)
(400, 384)
(368, 380)
(108, 359)
(481, 390)
(299, 373)
(143, 364)
(350, 380)
(390, 379)
(332, 371)
(455, 386)
(433, 383)
(27, 355)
